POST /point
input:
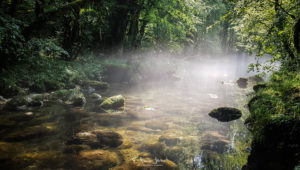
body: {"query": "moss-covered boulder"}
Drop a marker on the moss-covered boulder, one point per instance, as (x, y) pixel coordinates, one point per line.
(242, 82)
(113, 102)
(97, 159)
(98, 139)
(22, 102)
(73, 97)
(225, 114)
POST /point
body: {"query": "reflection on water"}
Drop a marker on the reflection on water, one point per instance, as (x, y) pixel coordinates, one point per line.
(164, 125)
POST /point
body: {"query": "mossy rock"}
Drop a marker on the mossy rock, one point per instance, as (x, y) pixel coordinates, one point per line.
(169, 140)
(113, 102)
(27, 100)
(97, 138)
(73, 97)
(97, 85)
(225, 114)
(97, 159)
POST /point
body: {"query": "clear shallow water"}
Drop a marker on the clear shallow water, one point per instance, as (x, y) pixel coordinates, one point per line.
(165, 118)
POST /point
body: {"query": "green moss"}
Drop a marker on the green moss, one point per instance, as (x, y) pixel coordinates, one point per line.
(113, 102)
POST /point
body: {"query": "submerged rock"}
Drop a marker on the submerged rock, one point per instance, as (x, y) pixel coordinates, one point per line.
(97, 159)
(242, 82)
(213, 141)
(109, 138)
(73, 97)
(98, 138)
(113, 102)
(225, 114)
(22, 102)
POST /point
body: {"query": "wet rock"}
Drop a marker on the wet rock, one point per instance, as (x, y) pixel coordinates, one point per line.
(242, 82)
(98, 138)
(259, 86)
(29, 133)
(113, 102)
(109, 138)
(87, 138)
(225, 114)
(73, 97)
(213, 141)
(97, 85)
(22, 102)
(156, 149)
(169, 140)
(157, 125)
(97, 159)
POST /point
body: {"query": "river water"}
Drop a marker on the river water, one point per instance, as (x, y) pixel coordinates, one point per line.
(165, 118)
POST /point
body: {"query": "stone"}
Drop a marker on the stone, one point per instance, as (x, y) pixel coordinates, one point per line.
(213, 141)
(73, 97)
(225, 114)
(22, 102)
(109, 138)
(97, 139)
(113, 102)
(242, 82)
(97, 159)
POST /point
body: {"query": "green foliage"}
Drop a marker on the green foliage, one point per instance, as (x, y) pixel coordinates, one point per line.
(278, 100)
(267, 27)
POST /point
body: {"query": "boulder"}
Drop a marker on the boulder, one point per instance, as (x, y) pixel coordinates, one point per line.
(22, 102)
(98, 139)
(109, 138)
(73, 97)
(225, 114)
(97, 159)
(242, 82)
(113, 102)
